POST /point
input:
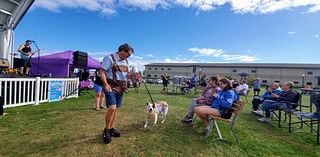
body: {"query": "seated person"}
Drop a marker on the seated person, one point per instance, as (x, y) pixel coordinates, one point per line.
(288, 95)
(242, 89)
(185, 86)
(222, 102)
(257, 100)
(204, 100)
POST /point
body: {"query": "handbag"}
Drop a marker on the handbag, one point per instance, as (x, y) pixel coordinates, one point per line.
(226, 113)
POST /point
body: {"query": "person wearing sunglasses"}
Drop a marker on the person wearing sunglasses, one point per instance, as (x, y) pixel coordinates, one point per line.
(114, 75)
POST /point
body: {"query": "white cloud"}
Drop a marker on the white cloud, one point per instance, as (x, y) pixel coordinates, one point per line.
(242, 58)
(222, 53)
(178, 60)
(144, 4)
(137, 57)
(316, 36)
(314, 9)
(110, 7)
(150, 55)
(292, 33)
(207, 51)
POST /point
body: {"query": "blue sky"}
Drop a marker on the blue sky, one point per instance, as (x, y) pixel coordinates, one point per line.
(231, 31)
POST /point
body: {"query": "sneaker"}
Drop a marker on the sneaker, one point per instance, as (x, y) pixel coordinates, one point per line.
(102, 107)
(187, 120)
(97, 109)
(107, 136)
(258, 112)
(114, 132)
(265, 120)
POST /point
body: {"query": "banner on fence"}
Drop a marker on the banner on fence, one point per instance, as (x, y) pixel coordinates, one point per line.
(55, 91)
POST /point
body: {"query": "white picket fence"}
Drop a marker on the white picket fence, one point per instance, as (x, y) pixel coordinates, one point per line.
(33, 91)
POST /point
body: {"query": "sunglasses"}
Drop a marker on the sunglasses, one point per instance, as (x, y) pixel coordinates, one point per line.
(127, 52)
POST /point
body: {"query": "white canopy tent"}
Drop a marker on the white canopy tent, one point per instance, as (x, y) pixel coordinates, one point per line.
(11, 12)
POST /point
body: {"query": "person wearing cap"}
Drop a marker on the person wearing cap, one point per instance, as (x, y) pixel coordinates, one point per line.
(26, 53)
(114, 75)
(256, 87)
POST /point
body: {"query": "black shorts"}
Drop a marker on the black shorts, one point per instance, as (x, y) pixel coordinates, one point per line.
(165, 84)
(26, 63)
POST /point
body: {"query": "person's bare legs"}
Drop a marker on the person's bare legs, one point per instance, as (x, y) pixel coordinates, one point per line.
(102, 101)
(27, 71)
(98, 100)
(110, 116)
(113, 119)
(204, 111)
(21, 70)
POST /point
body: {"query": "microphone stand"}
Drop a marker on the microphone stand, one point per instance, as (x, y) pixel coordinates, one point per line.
(38, 74)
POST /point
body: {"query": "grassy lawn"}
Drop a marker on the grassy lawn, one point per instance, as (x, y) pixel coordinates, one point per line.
(73, 128)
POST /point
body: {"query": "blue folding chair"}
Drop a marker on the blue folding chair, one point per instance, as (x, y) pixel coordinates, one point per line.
(311, 118)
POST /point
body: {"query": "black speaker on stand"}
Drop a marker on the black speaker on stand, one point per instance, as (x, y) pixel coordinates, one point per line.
(80, 60)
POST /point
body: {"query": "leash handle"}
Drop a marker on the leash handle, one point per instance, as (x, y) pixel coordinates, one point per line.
(148, 92)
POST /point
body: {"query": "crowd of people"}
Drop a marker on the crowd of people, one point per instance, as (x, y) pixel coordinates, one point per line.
(217, 98)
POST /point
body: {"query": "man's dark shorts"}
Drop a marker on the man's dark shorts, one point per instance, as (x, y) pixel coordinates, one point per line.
(113, 98)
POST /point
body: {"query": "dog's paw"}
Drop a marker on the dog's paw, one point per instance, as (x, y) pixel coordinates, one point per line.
(145, 126)
(162, 121)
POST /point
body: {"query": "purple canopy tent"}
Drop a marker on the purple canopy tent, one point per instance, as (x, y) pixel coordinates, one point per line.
(58, 64)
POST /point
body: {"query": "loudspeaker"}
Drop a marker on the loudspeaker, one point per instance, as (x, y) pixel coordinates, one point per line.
(80, 59)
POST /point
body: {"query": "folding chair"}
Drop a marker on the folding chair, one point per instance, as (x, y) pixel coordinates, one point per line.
(309, 118)
(236, 109)
(293, 107)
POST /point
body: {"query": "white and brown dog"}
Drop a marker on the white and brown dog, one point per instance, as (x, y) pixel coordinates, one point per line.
(153, 110)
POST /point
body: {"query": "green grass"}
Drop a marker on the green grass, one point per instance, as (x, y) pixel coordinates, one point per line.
(73, 128)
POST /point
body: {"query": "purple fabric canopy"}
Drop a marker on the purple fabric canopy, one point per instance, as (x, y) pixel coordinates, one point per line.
(58, 64)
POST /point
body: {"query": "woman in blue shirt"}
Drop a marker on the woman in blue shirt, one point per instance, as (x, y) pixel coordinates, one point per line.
(222, 102)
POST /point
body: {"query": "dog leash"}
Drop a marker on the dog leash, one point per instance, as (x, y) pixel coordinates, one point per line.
(149, 93)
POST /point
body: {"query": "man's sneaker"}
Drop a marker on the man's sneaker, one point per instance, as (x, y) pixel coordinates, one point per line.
(114, 132)
(107, 136)
(265, 120)
(258, 112)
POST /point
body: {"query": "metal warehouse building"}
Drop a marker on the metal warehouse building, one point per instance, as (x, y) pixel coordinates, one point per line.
(267, 72)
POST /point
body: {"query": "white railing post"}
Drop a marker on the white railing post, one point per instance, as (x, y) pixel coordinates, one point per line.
(37, 91)
(77, 87)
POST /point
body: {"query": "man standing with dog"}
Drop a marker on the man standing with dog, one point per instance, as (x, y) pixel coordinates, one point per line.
(114, 74)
